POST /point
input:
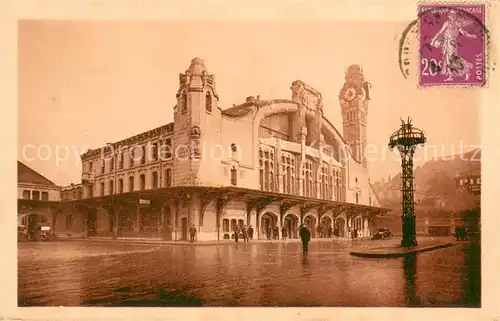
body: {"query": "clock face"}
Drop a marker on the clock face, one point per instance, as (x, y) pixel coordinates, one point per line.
(350, 94)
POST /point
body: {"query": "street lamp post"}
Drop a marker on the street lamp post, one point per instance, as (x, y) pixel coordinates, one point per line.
(406, 139)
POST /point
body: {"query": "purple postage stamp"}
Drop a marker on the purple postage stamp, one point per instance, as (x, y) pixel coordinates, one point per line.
(452, 44)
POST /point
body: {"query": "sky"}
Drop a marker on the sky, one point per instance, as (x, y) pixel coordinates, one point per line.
(85, 83)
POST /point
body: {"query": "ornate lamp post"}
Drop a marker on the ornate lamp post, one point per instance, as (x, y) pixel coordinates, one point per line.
(406, 139)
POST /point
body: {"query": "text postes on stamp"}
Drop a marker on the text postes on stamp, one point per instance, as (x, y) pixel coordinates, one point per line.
(452, 44)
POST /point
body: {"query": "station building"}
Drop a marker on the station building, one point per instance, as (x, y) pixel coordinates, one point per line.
(263, 163)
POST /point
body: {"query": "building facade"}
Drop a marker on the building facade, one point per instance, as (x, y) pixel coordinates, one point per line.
(38, 198)
(265, 163)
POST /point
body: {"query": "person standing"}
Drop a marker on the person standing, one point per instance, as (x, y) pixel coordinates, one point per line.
(236, 232)
(250, 232)
(192, 234)
(283, 233)
(305, 237)
(244, 233)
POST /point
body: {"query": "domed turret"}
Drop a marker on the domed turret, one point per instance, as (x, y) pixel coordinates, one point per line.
(354, 74)
(197, 67)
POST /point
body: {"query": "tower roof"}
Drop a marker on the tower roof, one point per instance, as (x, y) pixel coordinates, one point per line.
(354, 69)
(197, 66)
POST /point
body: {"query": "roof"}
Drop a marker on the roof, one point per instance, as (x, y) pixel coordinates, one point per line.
(26, 174)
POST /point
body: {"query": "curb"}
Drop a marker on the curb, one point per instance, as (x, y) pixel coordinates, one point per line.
(199, 243)
(399, 251)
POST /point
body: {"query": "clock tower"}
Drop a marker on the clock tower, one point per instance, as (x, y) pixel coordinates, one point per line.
(354, 97)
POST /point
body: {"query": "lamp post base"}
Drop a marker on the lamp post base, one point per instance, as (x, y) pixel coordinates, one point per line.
(409, 235)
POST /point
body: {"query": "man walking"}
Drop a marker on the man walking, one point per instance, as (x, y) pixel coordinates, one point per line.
(305, 237)
(192, 234)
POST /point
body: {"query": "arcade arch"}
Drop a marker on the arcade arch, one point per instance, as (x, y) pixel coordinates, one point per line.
(310, 222)
(340, 227)
(291, 225)
(268, 222)
(326, 225)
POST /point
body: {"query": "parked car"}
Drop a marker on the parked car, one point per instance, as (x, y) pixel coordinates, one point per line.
(382, 233)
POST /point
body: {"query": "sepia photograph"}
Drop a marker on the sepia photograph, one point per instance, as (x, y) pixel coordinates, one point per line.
(287, 163)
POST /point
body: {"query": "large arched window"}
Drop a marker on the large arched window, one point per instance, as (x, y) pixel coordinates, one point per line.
(307, 171)
(266, 156)
(324, 181)
(288, 169)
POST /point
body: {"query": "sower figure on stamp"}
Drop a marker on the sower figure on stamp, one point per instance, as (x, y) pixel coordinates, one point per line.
(453, 64)
(305, 237)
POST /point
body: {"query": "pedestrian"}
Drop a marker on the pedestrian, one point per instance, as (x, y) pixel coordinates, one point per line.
(305, 237)
(268, 232)
(250, 232)
(276, 233)
(236, 234)
(283, 233)
(244, 232)
(192, 234)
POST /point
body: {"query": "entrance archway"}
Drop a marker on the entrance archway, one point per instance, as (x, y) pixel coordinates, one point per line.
(310, 222)
(291, 224)
(33, 223)
(268, 223)
(340, 227)
(326, 226)
(184, 229)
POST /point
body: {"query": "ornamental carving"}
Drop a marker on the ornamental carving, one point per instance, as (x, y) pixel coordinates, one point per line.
(195, 132)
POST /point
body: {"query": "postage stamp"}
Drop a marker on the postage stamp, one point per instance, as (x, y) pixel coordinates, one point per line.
(452, 44)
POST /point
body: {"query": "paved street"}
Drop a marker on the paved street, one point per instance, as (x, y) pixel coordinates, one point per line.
(80, 273)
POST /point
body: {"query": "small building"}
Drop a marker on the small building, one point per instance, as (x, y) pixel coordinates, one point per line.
(38, 197)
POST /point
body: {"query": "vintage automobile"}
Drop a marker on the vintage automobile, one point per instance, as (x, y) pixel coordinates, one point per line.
(382, 233)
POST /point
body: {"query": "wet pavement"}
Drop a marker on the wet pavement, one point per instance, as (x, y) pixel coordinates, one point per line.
(83, 273)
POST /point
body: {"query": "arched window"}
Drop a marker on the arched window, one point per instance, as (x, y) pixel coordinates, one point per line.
(234, 176)
(111, 187)
(233, 224)
(168, 177)
(225, 225)
(120, 185)
(267, 160)
(208, 102)
(154, 178)
(131, 183)
(288, 169)
(308, 178)
(324, 182)
(142, 182)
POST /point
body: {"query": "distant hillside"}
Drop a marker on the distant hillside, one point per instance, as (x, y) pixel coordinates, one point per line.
(436, 184)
